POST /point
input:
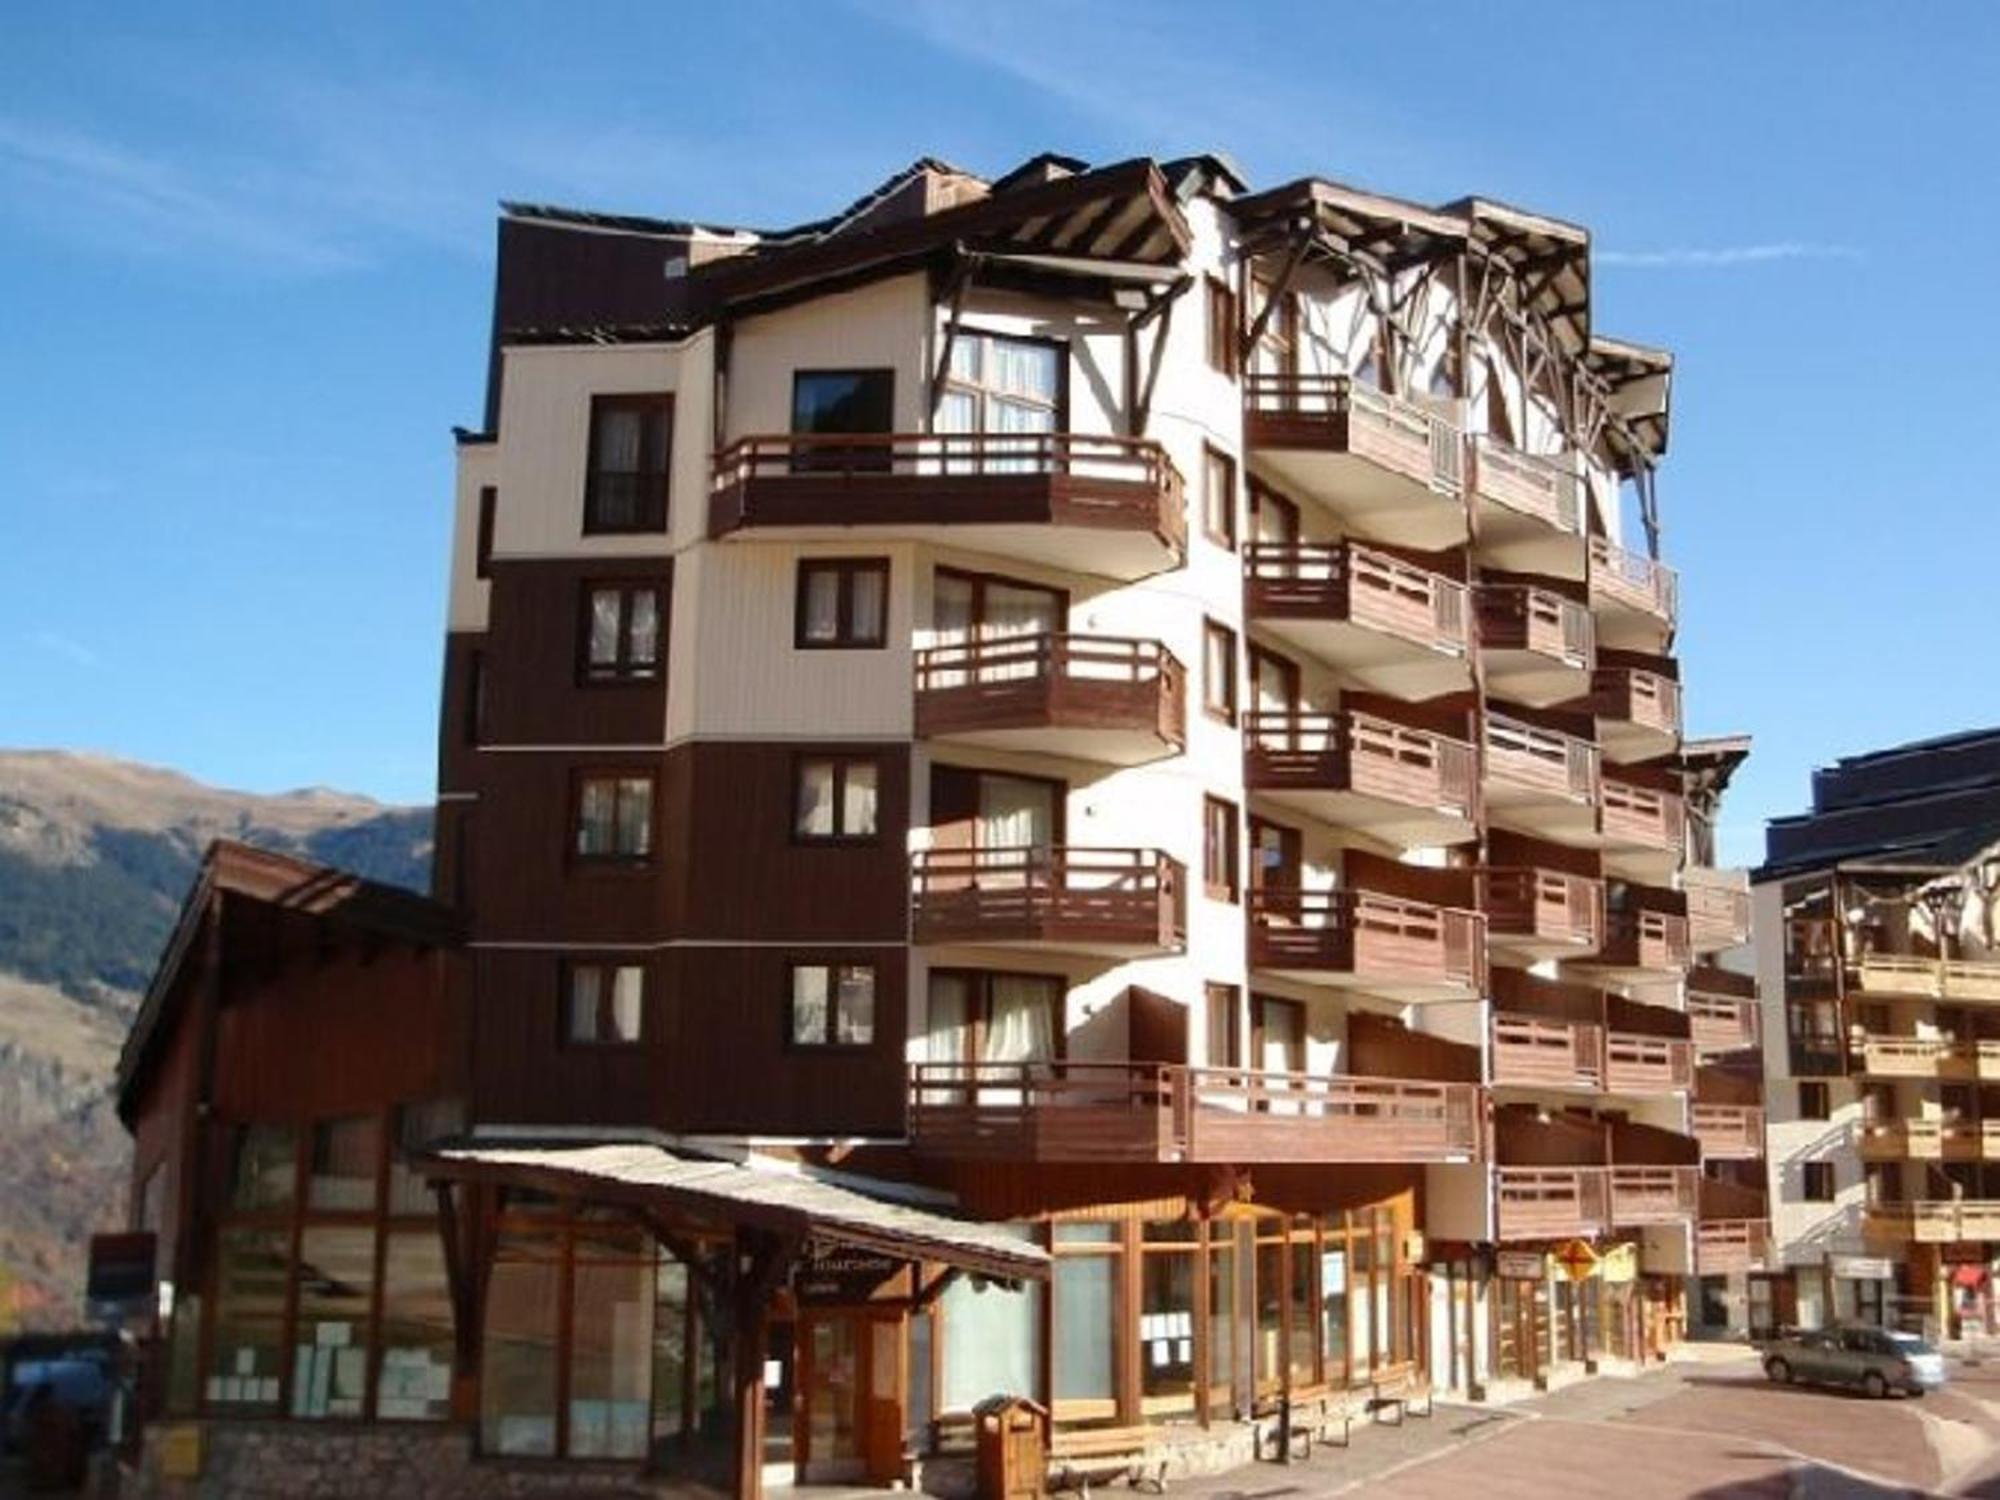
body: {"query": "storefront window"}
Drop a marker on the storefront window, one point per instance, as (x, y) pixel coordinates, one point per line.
(345, 1155)
(413, 1382)
(992, 1344)
(417, 1125)
(1302, 1323)
(1221, 1319)
(1270, 1269)
(1361, 1303)
(517, 1385)
(1166, 1318)
(249, 1329)
(1333, 1287)
(611, 1345)
(336, 1283)
(264, 1170)
(1086, 1320)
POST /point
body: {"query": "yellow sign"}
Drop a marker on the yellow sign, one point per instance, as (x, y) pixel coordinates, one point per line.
(180, 1451)
(1576, 1258)
(1620, 1263)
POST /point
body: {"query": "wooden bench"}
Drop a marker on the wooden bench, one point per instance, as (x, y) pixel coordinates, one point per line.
(1405, 1392)
(1079, 1455)
(1313, 1416)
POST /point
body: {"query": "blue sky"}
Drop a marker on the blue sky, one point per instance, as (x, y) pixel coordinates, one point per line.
(244, 275)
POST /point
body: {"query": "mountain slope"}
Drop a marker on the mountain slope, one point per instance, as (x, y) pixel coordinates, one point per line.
(95, 856)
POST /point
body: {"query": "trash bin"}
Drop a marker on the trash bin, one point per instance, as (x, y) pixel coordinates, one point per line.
(1013, 1445)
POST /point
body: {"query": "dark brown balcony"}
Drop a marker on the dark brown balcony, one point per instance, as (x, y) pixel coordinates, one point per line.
(1391, 469)
(1644, 938)
(1538, 646)
(1654, 1194)
(1718, 903)
(1536, 913)
(1374, 944)
(1096, 698)
(1543, 1052)
(1637, 1062)
(1389, 624)
(1541, 781)
(1109, 506)
(1549, 1203)
(1530, 509)
(1405, 785)
(1642, 828)
(1063, 1111)
(1723, 1010)
(1638, 711)
(1112, 903)
(1635, 597)
(1729, 1132)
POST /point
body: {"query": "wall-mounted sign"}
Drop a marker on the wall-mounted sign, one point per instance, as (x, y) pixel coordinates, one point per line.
(1862, 1268)
(1518, 1265)
(1620, 1264)
(840, 1273)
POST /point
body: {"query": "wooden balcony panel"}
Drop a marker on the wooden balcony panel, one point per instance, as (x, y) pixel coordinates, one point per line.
(1720, 1023)
(1106, 902)
(1965, 1140)
(1653, 1195)
(1642, 829)
(1112, 506)
(1905, 1056)
(1405, 785)
(1543, 913)
(1729, 1245)
(1638, 1064)
(1541, 782)
(1900, 974)
(1099, 698)
(1251, 1115)
(1971, 979)
(1543, 1203)
(1901, 1140)
(1636, 597)
(1638, 712)
(1718, 903)
(1729, 1132)
(1539, 647)
(1527, 485)
(1358, 940)
(1645, 941)
(1534, 1052)
(1934, 1221)
(1395, 627)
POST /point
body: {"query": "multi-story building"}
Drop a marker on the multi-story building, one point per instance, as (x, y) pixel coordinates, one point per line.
(1099, 702)
(1881, 972)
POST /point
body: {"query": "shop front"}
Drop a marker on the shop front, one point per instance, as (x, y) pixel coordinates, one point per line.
(1566, 1309)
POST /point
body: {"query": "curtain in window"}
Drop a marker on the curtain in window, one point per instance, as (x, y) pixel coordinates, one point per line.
(620, 441)
(586, 991)
(604, 612)
(865, 590)
(1015, 813)
(858, 799)
(1021, 1022)
(643, 629)
(854, 1008)
(822, 604)
(635, 816)
(628, 988)
(815, 810)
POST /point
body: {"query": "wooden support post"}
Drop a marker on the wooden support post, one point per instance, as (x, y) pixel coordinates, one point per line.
(760, 1264)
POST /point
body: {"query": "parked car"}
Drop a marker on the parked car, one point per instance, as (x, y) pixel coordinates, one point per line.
(80, 1385)
(1875, 1360)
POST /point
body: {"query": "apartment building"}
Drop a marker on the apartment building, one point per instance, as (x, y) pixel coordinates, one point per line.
(1880, 970)
(1107, 740)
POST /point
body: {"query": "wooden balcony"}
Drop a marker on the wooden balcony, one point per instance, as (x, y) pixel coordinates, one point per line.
(1653, 1195)
(1877, 1056)
(1635, 1063)
(1969, 1140)
(1722, 1023)
(1642, 944)
(1372, 944)
(1729, 1132)
(1108, 903)
(1540, 1053)
(1113, 1112)
(1391, 469)
(1909, 976)
(1723, 1246)
(1109, 506)
(1096, 698)
(1635, 598)
(1538, 647)
(1407, 786)
(1537, 913)
(1387, 623)
(1541, 781)
(1530, 509)
(1934, 1221)
(1718, 903)
(1638, 712)
(1642, 829)
(1901, 1140)
(1549, 1203)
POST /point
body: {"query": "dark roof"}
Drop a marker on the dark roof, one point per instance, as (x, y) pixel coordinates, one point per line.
(601, 333)
(585, 218)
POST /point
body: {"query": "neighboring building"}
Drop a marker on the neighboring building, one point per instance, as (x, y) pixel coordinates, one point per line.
(1096, 727)
(1881, 972)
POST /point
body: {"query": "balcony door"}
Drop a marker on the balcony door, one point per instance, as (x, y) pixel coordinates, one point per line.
(1274, 869)
(984, 614)
(1000, 827)
(1011, 393)
(1272, 517)
(995, 1026)
(1278, 1037)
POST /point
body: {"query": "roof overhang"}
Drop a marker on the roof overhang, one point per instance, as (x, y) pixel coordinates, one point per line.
(1549, 257)
(1638, 384)
(1348, 220)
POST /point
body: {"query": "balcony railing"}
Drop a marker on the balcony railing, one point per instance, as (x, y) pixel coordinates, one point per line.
(1726, 1245)
(1880, 1056)
(1520, 617)
(1542, 1203)
(1124, 900)
(1546, 489)
(1344, 415)
(1721, 1023)
(1544, 906)
(1718, 903)
(1935, 1221)
(1928, 978)
(1535, 1052)
(1648, 701)
(1347, 582)
(1642, 817)
(1633, 581)
(1545, 763)
(1653, 1195)
(1086, 684)
(1362, 754)
(1902, 1140)
(1645, 939)
(1163, 1112)
(1635, 1063)
(1729, 1132)
(1371, 940)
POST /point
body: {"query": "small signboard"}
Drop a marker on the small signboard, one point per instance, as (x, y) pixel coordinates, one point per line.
(1518, 1265)
(1578, 1260)
(832, 1274)
(1862, 1268)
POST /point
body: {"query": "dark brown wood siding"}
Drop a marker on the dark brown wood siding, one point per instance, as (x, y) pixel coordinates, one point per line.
(534, 653)
(524, 1071)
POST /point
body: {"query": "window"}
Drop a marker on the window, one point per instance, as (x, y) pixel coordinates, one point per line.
(1223, 1007)
(1813, 1102)
(1218, 848)
(1002, 385)
(1816, 1178)
(474, 720)
(842, 401)
(482, 556)
(621, 632)
(626, 486)
(264, 1172)
(836, 798)
(1222, 326)
(344, 1157)
(1218, 671)
(843, 604)
(1218, 497)
(614, 817)
(833, 1005)
(603, 1003)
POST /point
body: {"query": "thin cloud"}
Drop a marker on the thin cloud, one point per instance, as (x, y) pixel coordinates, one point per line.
(72, 651)
(1724, 257)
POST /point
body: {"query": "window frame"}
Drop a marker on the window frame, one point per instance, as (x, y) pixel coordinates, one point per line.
(841, 761)
(579, 779)
(621, 673)
(1225, 536)
(606, 1038)
(1224, 326)
(982, 392)
(1225, 710)
(482, 545)
(877, 1032)
(1817, 1090)
(1230, 888)
(1815, 1176)
(647, 525)
(847, 569)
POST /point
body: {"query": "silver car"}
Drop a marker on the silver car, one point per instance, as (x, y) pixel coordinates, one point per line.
(1875, 1360)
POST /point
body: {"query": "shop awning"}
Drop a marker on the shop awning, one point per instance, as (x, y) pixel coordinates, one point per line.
(707, 1191)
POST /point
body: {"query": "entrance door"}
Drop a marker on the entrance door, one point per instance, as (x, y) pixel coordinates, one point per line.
(849, 1412)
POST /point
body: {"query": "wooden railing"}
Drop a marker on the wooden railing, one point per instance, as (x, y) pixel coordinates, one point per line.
(1642, 815)
(1971, 979)
(1534, 1052)
(1520, 617)
(1384, 938)
(1890, 1140)
(1092, 681)
(1104, 481)
(1538, 1203)
(1360, 753)
(1718, 903)
(1936, 1221)
(1310, 410)
(1529, 758)
(1653, 1195)
(1649, 700)
(1059, 1110)
(1725, 1245)
(1637, 1063)
(1545, 488)
(1647, 939)
(1933, 978)
(1926, 1057)
(1632, 579)
(1552, 905)
(1117, 897)
(1722, 1024)
(1347, 581)
(1729, 1132)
